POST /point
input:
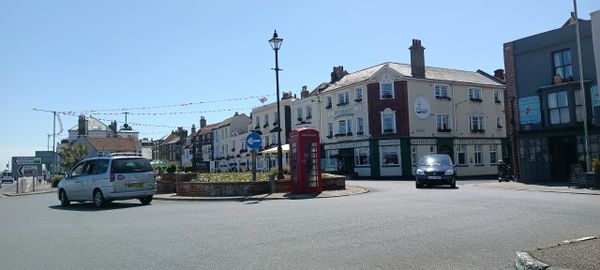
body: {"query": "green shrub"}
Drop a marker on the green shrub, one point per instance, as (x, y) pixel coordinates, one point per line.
(172, 168)
(187, 169)
(54, 181)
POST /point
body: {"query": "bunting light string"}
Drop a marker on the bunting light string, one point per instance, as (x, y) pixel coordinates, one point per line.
(119, 111)
(173, 113)
(259, 97)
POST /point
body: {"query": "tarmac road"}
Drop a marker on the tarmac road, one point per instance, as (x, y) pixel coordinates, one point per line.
(394, 226)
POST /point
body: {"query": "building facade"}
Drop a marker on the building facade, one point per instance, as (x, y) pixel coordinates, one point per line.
(226, 136)
(377, 122)
(546, 106)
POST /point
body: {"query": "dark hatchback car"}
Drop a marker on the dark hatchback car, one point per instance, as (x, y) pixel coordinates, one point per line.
(435, 170)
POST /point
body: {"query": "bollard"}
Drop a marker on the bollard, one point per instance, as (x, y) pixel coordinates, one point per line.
(272, 183)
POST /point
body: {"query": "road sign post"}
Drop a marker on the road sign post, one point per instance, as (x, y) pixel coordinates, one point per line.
(253, 141)
(26, 166)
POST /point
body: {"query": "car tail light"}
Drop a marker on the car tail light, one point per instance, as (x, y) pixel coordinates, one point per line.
(112, 175)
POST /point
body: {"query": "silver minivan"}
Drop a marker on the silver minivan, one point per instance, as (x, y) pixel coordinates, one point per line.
(106, 179)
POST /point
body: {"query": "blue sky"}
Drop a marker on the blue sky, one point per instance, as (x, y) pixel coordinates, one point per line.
(92, 55)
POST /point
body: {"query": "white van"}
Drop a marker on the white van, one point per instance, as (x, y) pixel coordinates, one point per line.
(6, 177)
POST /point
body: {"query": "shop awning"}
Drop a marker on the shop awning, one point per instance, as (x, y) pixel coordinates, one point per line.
(273, 150)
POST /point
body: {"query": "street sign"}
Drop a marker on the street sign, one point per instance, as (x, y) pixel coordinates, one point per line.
(26, 166)
(28, 170)
(27, 160)
(253, 141)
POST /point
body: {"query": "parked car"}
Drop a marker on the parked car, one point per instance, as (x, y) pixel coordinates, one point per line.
(435, 170)
(106, 179)
(6, 177)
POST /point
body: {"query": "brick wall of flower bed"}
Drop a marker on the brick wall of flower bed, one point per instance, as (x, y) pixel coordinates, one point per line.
(166, 183)
(191, 189)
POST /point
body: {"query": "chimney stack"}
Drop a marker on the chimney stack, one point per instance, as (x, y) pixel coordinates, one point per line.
(338, 73)
(499, 74)
(417, 59)
(202, 121)
(82, 127)
(304, 93)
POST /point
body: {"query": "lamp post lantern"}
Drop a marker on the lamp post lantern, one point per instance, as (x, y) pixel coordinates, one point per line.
(276, 44)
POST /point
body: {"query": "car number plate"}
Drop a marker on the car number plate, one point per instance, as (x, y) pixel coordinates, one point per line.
(136, 185)
(434, 177)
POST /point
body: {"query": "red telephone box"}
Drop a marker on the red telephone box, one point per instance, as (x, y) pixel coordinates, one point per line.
(305, 161)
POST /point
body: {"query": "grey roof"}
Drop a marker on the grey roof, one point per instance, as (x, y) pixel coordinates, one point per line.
(432, 73)
(227, 121)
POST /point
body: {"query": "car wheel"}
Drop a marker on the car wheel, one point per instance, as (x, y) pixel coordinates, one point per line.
(417, 185)
(99, 199)
(453, 184)
(64, 200)
(146, 200)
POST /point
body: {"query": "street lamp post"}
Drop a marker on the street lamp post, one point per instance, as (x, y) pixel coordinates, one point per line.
(276, 44)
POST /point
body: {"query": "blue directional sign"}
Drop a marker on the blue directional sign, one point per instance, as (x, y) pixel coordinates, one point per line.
(253, 141)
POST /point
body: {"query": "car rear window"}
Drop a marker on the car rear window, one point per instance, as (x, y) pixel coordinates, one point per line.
(131, 165)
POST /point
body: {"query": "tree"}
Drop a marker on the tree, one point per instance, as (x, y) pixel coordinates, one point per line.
(70, 155)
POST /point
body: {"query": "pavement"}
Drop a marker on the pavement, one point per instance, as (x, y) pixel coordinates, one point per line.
(350, 190)
(576, 254)
(553, 187)
(26, 188)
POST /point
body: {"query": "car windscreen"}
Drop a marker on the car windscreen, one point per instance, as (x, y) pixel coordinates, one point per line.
(131, 165)
(435, 160)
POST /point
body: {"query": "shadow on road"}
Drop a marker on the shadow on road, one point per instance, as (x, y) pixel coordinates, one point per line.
(89, 207)
(439, 187)
(293, 196)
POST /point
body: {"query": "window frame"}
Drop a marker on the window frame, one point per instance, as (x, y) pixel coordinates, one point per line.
(561, 107)
(478, 154)
(358, 92)
(479, 125)
(462, 149)
(562, 66)
(475, 94)
(388, 113)
(438, 92)
(440, 128)
(358, 153)
(382, 153)
(497, 96)
(328, 102)
(493, 154)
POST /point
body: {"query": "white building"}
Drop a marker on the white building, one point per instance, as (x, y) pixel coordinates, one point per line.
(225, 139)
